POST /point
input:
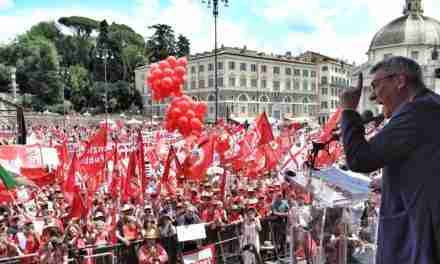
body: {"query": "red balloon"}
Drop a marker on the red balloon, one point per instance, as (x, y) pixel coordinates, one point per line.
(167, 82)
(175, 113)
(157, 73)
(182, 62)
(180, 70)
(157, 85)
(154, 66)
(172, 61)
(183, 105)
(190, 114)
(183, 123)
(168, 72)
(196, 124)
(201, 109)
(184, 78)
(163, 64)
(178, 91)
(170, 125)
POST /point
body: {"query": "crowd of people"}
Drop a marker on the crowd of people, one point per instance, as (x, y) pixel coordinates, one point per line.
(267, 212)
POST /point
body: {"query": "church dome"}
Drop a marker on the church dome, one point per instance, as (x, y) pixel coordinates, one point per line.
(411, 29)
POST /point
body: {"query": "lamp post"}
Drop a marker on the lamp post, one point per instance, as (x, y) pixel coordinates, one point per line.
(64, 73)
(105, 54)
(215, 9)
(13, 71)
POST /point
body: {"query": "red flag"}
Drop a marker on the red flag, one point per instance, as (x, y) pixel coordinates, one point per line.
(264, 129)
(203, 159)
(93, 158)
(330, 126)
(141, 160)
(69, 185)
(130, 181)
(115, 184)
(77, 207)
(166, 179)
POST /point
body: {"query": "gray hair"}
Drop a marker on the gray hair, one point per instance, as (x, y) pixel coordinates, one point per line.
(402, 65)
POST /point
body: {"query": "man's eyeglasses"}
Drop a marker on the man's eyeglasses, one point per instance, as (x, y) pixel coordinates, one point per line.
(374, 83)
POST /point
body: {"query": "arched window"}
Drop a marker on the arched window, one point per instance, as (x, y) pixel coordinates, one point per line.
(243, 98)
(211, 98)
(264, 99)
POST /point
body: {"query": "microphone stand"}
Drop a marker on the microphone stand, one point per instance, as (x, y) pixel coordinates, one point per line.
(311, 166)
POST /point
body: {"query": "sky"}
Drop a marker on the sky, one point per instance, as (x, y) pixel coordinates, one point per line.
(337, 28)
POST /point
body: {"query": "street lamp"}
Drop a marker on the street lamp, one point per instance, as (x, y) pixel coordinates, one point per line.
(64, 73)
(215, 9)
(14, 83)
(105, 54)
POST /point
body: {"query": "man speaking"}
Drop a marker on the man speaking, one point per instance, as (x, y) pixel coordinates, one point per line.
(408, 150)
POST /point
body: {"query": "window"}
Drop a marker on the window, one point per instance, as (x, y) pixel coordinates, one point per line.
(296, 84)
(232, 81)
(288, 71)
(220, 81)
(220, 65)
(201, 84)
(297, 72)
(313, 74)
(324, 91)
(253, 67)
(313, 86)
(324, 80)
(193, 85)
(263, 68)
(232, 65)
(414, 55)
(288, 85)
(210, 82)
(387, 56)
(210, 67)
(243, 82)
(305, 73)
(276, 85)
(305, 85)
(263, 83)
(324, 68)
(254, 83)
(324, 105)
(242, 66)
(201, 68)
(193, 69)
(276, 70)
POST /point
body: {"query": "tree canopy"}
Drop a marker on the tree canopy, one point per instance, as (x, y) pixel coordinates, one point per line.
(50, 62)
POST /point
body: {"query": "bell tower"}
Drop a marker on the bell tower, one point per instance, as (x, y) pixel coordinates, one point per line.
(413, 7)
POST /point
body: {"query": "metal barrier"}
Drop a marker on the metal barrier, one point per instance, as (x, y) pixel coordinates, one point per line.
(226, 238)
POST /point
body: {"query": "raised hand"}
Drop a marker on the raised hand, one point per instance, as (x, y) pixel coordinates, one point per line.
(349, 99)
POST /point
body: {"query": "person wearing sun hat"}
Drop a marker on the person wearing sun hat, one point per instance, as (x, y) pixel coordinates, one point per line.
(250, 232)
(151, 252)
(168, 236)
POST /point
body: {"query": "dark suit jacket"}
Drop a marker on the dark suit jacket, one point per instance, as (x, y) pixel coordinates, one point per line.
(408, 150)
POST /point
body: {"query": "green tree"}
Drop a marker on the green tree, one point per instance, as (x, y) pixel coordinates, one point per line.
(37, 65)
(5, 78)
(183, 46)
(83, 27)
(162, 43)
(48, 30)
